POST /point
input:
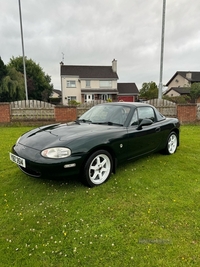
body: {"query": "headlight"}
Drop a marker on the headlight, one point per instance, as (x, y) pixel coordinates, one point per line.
(56, 152)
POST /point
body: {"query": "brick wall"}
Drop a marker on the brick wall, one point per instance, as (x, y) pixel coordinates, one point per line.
(65, 114)
(4, 112)
(187, 113)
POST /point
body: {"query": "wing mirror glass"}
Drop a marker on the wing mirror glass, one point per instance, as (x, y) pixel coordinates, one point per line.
(144, 122)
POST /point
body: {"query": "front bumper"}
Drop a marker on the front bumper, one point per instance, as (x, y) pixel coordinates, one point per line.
(38, 166)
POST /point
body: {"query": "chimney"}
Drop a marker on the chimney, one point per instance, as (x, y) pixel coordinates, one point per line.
(114, 65)
(189, 75)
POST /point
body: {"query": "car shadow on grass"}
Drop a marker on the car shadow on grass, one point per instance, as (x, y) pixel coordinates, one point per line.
(73, 181)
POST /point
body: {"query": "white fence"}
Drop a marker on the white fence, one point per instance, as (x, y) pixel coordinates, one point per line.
(198, 111)
(82, 108)
(165, 107)
(32, 110)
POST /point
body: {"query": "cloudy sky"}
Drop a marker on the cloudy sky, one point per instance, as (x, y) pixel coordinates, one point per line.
(94, 32)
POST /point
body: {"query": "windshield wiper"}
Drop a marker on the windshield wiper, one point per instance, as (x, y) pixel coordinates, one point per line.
(96, 122)
(83, 120)
(109, 123)
(77, 121)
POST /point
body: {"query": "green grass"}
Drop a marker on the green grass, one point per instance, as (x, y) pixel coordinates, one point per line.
(147, 214)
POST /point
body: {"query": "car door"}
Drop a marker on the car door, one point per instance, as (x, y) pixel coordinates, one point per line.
(145, 139)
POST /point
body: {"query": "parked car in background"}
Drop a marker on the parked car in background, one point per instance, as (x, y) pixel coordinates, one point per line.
(92, 147)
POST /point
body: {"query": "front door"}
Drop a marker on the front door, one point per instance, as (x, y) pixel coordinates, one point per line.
(89, 98)
(147, 139)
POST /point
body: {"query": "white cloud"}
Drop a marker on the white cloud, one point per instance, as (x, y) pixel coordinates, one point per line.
(95, 32)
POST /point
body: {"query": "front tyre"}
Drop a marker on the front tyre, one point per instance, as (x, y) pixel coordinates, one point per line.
(172, 143)
(98, 168)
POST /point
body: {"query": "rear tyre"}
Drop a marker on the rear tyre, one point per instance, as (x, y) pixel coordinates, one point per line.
(98, 168)
(172, 143)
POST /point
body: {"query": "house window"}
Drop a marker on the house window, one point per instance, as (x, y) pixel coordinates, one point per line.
(71, 84)
(70, 98)
(104, 97)
(87, 83)
(105, 84)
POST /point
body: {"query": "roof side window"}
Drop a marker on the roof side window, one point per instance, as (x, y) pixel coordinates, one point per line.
(160, 117)
(146, 113)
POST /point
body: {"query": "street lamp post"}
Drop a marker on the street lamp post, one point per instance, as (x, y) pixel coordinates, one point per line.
(162, 51)
(24, 63)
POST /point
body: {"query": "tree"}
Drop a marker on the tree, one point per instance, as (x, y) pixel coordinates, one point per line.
(182, 99)
(149, 91)
(195, 91)
(38, 83)
(3, 70)
(12, 86)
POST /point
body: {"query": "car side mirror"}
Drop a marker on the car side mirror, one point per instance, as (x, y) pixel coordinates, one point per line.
(144, 122)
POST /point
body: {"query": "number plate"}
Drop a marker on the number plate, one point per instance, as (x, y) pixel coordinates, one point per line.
(18, 160)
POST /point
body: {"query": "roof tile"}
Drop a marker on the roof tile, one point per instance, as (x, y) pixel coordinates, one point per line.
(89, 72)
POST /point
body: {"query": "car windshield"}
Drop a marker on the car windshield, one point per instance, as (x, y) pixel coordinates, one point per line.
(106, 114)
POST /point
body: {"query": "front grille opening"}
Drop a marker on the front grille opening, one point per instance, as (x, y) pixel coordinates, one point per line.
(30, 172)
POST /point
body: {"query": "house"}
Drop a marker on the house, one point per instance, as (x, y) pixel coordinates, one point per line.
(184, 79)
(127, 92)
(56, 93)
(180, 83)
(56, 96)
(177, 91)
(88, 83)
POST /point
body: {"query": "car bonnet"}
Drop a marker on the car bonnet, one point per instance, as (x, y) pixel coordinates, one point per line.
(60, 135)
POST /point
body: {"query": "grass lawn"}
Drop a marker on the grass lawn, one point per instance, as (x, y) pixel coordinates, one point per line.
(147, 214)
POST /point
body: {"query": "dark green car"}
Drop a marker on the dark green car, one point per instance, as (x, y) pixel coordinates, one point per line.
(92, 147)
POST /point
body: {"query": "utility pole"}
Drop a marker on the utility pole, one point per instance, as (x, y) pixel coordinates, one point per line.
(24, 63)
(162, 52)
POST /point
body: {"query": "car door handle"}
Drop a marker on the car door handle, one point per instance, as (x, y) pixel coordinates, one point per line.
(158, 129)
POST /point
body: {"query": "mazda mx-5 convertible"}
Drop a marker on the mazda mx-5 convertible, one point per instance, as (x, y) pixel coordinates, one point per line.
(92, 146)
